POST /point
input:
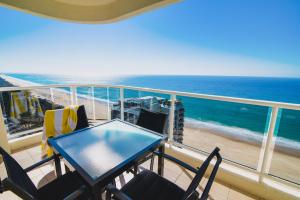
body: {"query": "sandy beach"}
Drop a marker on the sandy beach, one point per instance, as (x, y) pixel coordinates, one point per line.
(283, 165)
(62, 97)
(247, 153)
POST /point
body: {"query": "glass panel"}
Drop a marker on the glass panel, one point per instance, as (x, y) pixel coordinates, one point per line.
(61, 96)
(286, 157)
(114, 103)
(103, 99)
(237, 129)
(24, 110)
(85, 97)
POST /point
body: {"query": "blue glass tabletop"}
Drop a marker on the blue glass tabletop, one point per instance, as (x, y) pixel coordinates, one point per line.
(97, 150)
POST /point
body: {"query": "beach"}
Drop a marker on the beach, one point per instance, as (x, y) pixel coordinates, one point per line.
(234, 148)
(283, 165)
(62, 97)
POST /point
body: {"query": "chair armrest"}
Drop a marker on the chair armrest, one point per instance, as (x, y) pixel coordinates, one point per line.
(8, 185)
(38, 164)
(175, 160)
(118, 193)
(76, 193)
(212, 176)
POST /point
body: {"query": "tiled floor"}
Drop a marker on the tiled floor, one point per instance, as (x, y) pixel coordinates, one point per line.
(174, 173)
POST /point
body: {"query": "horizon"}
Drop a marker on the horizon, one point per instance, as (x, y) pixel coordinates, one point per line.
(190, 39)
(148, 75)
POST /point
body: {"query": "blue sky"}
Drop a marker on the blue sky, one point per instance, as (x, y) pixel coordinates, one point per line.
(198, 37)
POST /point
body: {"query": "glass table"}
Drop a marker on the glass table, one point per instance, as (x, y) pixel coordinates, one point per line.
(101, 153)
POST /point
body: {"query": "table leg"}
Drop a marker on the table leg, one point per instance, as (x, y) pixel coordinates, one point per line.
(57, 165)
(97, 193)
(161, 163)
(108, 194)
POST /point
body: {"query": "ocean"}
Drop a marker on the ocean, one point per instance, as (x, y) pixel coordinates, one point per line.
(236, 119)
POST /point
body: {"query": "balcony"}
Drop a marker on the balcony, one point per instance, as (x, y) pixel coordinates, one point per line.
(258, 166)
(174, 173)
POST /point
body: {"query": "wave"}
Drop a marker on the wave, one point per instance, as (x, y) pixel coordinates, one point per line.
(241, 134)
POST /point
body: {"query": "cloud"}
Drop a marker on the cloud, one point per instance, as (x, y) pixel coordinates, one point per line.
(106, 50)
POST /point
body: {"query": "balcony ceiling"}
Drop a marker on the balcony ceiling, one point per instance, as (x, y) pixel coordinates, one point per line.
(86, 11)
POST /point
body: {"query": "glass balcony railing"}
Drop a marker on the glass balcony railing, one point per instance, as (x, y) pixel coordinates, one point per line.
(286, 146)
(233, 127)
(135, 100)
(259, 135)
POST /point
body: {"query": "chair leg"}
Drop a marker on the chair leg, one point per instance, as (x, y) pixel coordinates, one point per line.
(108, 194)
(152, 162)
(1, 186)
(135, 170)
(57, 166)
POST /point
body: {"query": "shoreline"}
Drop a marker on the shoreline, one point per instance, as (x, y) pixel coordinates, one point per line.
(285, 161)
(63, 97)
(282, 145)
(234, 133)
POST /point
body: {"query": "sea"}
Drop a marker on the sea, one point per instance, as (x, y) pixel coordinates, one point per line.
(235, 119)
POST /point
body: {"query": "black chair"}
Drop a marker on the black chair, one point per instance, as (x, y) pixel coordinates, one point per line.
(148, 185)
(68, 186)
(152, 121)
(82, 121)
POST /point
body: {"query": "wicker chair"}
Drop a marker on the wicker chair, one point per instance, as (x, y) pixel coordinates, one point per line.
(148, 185)
(152, 121)
(68, 186)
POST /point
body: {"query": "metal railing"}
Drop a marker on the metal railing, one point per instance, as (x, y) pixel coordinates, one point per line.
(267, 148)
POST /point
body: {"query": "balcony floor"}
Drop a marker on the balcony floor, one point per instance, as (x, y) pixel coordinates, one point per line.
(45, 174)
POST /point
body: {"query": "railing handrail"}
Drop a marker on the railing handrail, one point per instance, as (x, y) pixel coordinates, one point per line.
(267, 149)
(169, 92)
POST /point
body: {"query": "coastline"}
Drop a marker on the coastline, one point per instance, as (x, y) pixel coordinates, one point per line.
(283, 164)
(63, 97)
(243, 135)
(205, 137)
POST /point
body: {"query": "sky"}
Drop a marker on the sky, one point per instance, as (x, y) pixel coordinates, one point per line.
(192, 37)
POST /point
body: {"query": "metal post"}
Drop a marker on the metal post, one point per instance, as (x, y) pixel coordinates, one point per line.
(93, 102)
(268, 145)
(171, 118)
(122, 103)
(3, 133)
(108, 104)
(74, 95)
(52, 95)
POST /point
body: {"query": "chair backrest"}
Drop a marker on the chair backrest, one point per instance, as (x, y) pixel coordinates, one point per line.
(82, 120)
(18, 180)
(196, 180)
(152, 121)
